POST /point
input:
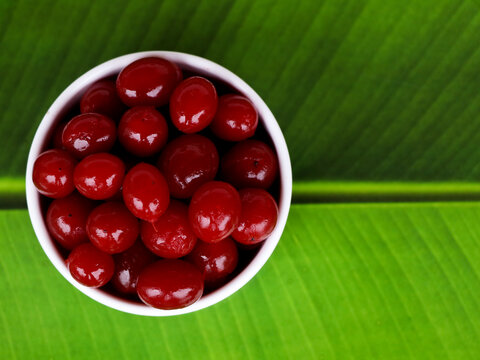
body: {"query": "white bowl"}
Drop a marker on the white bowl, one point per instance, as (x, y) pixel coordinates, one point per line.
(72, 95)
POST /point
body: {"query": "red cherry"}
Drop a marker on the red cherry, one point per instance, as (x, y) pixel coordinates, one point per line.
(188, 162)
(236, 118)
(250, 163)
(128, 265)
(101, 97)
(216, 261)
(145, 192)
(66, 219)
(89, 133)
(53, 173)
(112, 228)
(171, 236)
(99, 176)
(193, 104)
(57, 136)
(170, 284)
(258, 218)
(214, 211)
(143, 131)
(148, 81)
(90, 266)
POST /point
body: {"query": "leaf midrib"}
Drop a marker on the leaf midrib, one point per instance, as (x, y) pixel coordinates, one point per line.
(12, 192)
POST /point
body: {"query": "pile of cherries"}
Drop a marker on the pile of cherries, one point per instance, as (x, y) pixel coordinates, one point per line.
(150, 208)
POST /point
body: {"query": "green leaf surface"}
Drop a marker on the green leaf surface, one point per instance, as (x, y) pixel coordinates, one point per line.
(374, 281)
(363, 89)
(379, 101)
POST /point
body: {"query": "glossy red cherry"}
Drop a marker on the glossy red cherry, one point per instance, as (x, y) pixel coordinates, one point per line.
(89, 133)
(193, 104)
(250, 163)
(90, 266)
(99, 176)
(171, 236)
(53, 173)
(66, 220)
(143, 131)
(170, 284)
(101, 97)
(128, 266)
(188, 162)
(216, 261)
(148, 81)
(57, 136)
(236, 118)
(112, 228)
(214, 211)
(258, 218)
(145, 192)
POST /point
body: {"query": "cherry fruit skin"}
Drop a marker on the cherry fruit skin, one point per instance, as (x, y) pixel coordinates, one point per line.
(258, 217)
(193, 104)
(148, 81)
(112, 228)
(188, 162)
(170, 284)
(216, 261)
(90, 266)
(143, 131)
(66, 220)
(89, 133)
(53, 173)
(236, 118)
(171, 236)
(214, 211)
(250, 163)
(99, 176)
(145, 192)
(101, 97)
(128, 266)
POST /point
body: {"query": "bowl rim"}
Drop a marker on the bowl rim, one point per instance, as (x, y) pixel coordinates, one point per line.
(202, 66)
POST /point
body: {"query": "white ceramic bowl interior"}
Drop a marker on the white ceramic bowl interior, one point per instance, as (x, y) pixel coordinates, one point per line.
(73, 93)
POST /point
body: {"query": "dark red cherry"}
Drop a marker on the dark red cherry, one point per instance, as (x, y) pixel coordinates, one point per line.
(216, 261)
(145, 192)
(214, 211)
(170, 284)
(193, 104)
(90, 266)
(171, 236)
(188, 162)
(53, 173)
(128, 266)
(66, 220)
(89, 133)
(101, 97)
(236, 118)
(148, 81)
(99, 176)
(57, 136)
(143, 131)
(258, 217)
(250, 163)
(112, 228)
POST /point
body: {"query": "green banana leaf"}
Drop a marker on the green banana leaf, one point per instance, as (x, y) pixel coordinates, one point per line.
(363, 89)
(379, 101)
(384, 281)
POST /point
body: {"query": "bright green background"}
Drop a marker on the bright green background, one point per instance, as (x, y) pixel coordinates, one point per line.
(378, 100)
